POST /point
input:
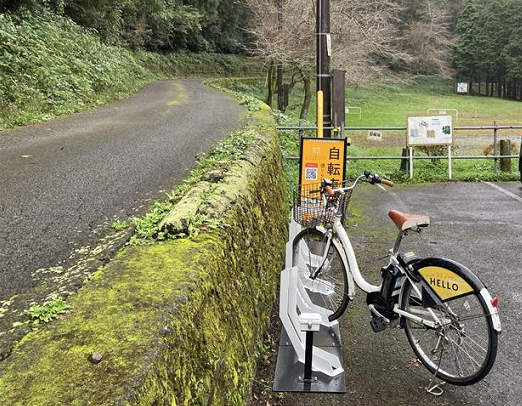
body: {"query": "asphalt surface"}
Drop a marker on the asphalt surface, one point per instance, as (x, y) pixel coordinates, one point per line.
(65, 181)
(473, 223)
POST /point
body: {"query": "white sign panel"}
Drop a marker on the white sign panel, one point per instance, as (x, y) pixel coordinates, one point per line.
(462, 87)
(430, 130)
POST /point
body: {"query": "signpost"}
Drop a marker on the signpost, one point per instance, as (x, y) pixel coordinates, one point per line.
(462, 87)
(429, 131)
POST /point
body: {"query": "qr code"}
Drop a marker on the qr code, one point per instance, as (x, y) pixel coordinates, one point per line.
(311, 174)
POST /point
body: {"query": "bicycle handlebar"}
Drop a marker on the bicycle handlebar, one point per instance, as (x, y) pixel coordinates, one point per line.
(387, 182)
(374, 178)
(368, 176)
(329, 191)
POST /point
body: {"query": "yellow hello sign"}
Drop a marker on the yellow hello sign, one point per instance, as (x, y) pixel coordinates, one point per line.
(446, 284)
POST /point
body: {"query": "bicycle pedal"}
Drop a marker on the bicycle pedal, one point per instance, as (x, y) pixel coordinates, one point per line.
(378, 324)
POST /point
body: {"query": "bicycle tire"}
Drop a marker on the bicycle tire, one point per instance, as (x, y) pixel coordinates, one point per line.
(311, 242)
(460, 337)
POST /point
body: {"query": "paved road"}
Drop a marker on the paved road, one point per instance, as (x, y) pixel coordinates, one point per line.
(63, 182)
(475, 224)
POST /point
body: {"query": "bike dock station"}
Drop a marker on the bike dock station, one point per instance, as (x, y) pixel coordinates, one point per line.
(309, 356)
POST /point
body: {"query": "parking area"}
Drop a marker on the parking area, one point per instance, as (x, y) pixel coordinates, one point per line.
(476, 224)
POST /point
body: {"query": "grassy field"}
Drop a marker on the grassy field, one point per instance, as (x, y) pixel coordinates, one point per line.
(385, 105)
(388, 105)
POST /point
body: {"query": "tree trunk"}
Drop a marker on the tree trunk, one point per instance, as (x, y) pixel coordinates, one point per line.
(271, 84)
(480, 87)
(504, 89)
(308, 95)
(487, 85)
(293, 82)
(470, 88)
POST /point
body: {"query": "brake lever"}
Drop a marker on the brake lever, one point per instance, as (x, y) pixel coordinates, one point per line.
(381, 186)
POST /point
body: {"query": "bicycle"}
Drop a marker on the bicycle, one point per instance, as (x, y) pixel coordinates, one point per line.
(450, 319)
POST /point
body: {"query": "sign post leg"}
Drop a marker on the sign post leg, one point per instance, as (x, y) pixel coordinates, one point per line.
(449, 162)
(411, 162)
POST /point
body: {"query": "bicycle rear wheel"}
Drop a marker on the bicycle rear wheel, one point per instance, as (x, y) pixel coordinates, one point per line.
(462, 350)
(329, 287)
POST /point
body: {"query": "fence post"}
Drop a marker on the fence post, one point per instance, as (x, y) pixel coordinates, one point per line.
(405, 163)
(520, 160)
(495, 148)
(505, 163)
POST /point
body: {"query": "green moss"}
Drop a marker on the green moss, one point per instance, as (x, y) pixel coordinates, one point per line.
(177, 323)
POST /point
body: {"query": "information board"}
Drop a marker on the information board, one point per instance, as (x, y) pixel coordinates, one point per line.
(322, 158)
(429, 130)
(462, 87)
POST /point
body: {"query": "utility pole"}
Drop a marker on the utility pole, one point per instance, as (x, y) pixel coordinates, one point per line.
(280, 92)
(323, 67)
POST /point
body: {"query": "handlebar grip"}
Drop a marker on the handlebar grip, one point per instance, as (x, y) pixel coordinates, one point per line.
(329, 191)
(387, 182)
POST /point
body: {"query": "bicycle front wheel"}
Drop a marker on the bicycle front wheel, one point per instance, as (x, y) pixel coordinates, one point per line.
(327, 281)
(462, 350)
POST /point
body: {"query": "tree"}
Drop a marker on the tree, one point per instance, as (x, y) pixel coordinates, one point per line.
(363, 33)
(428, 40)
(464, 60)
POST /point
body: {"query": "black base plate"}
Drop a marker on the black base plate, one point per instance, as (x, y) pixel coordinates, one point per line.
(289, 371)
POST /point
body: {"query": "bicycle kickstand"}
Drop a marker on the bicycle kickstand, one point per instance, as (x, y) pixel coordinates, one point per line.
(435, 388)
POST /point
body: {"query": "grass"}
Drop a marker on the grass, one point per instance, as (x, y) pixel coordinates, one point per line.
(388, 105)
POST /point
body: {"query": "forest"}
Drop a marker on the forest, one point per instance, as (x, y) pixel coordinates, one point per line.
(488, 51)
(154, 25)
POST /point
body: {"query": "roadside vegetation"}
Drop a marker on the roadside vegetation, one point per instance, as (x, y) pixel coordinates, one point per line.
(50, 66)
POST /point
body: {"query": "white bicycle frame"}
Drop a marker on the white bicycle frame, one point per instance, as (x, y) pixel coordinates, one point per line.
(342, 242)
(339, 237)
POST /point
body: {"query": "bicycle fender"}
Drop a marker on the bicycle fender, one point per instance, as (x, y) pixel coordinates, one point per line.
(493, 311)
(447, 279)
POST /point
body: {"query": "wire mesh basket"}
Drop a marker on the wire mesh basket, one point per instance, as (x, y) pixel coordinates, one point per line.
(312, 209)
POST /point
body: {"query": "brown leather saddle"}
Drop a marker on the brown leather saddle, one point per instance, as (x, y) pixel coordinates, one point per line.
(405, 221)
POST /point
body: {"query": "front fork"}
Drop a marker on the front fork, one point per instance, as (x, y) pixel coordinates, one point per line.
(329, 237)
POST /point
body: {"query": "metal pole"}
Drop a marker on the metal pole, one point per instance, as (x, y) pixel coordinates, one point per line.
(495, 149)
(520, 161)
(309, 346)
(280, 94)
(450, 169)
(323, 61)
(411, 162)
(320, 116)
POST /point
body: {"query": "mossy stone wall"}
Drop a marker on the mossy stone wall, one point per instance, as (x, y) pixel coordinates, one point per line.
(179, 322)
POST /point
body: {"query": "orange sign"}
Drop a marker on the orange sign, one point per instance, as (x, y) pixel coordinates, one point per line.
(322, 158)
